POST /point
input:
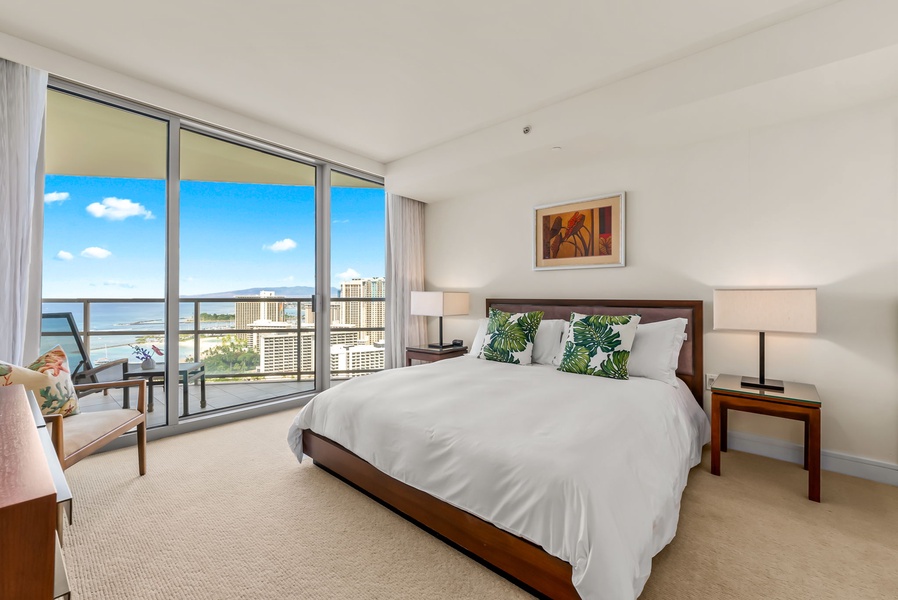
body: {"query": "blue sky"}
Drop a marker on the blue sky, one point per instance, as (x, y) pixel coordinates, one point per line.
(105, 237)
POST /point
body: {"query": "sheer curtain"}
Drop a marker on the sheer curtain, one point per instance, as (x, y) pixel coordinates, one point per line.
(23, 98)
(405, 272)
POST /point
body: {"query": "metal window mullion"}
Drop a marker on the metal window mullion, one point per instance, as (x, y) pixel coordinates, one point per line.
(172, 271)
(322, 276)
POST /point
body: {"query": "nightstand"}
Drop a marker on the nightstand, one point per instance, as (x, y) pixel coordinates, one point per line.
(798, 401)
(433, 354)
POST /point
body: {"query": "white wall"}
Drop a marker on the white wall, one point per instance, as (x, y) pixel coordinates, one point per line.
(809, 203)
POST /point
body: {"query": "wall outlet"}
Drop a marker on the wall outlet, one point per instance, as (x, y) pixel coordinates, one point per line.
(709, 380)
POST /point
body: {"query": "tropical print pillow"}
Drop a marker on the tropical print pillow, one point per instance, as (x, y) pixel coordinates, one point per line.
(48, 377)
(509, 336)
(599, 345)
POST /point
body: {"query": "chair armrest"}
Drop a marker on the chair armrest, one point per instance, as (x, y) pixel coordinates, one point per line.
(56, 436)
(121, 362)
(141, 384)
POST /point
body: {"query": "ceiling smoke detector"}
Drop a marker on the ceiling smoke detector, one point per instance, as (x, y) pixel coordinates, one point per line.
(526, 129)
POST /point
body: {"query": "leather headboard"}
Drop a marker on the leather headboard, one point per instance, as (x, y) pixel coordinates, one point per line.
(690, 368)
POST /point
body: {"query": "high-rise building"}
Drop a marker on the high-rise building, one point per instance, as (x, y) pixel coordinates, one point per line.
(349, 350)
(356, 358)
(249, 312)
(365, 313)
(265, 324)
(277, 351)
(308, 317)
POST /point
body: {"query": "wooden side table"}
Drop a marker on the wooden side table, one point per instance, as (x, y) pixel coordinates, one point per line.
(433, 354)
(799, 401)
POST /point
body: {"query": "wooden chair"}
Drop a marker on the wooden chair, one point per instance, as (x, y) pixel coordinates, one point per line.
(78, 436)
(59, 329)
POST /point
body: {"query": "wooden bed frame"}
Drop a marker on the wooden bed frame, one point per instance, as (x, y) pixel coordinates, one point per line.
(516, 558)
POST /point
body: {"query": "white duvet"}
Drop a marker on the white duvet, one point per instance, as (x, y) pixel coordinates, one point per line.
(590, 469)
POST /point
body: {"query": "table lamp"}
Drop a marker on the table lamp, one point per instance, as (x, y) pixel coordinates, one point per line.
(439, 304)
(766, 310)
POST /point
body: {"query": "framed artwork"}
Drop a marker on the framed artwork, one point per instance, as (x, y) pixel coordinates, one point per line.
(580, 234)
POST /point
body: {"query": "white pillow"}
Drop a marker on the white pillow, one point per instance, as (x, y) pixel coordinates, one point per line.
(560, 352)
(656, 350)
(548, 341)
(479, 338)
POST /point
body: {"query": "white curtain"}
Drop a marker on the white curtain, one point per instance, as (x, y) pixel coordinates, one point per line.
(404, 273)
(23, 99)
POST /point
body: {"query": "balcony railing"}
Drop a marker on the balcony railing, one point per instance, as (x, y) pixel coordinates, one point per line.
(283, 335)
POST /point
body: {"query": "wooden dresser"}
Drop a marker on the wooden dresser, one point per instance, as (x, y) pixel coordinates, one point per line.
(30, 562)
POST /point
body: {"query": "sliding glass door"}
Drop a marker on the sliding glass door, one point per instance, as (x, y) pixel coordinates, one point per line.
(247, 270)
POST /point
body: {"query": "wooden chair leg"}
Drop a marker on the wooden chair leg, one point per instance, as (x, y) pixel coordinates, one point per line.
(142, 448)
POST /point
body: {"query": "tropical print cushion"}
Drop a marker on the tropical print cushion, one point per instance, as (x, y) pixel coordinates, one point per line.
(509, 336)
(599, 345)
(48, 377)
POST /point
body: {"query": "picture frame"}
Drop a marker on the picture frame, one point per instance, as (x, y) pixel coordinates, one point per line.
(580, 234)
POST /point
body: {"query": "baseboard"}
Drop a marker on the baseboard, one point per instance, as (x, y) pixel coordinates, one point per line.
(837, 462)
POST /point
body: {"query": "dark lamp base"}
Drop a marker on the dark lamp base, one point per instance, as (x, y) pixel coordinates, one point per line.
(439, 346)
(774, 385)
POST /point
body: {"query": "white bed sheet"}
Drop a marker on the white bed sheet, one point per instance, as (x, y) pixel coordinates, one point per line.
(590, 469)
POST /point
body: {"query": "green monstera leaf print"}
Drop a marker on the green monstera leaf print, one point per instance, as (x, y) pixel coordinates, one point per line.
(595, 336)
(599, 345)
(575, 359)
(510, 336)
(529, 323)
(499, 355)
(507, 335)
(615, 366)
(609, 319)
(498, 320)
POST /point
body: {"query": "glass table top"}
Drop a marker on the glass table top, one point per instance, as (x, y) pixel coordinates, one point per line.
(796, 392)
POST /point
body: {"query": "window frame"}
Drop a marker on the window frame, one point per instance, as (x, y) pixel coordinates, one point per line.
(321, 301)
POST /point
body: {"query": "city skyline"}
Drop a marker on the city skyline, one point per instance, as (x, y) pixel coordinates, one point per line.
(280, 351)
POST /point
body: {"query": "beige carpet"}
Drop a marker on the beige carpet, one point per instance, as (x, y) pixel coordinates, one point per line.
(229, 513)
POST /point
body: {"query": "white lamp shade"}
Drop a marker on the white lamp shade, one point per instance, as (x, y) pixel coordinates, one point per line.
(778, 310)
(439, 304)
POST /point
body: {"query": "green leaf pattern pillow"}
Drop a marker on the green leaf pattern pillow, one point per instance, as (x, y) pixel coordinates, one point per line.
(599, 345)
(509, 336)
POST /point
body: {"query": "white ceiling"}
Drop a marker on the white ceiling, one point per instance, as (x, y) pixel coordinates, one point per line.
(435, 89)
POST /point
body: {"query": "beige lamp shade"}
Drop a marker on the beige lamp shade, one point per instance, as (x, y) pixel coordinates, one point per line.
(768, 310)
(439, 304)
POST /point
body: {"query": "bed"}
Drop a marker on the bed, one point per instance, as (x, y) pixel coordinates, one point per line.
(520, 466)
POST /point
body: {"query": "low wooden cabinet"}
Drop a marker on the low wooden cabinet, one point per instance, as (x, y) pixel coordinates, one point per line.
(30, 562)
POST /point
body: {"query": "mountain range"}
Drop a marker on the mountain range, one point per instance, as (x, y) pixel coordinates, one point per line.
(296, 291)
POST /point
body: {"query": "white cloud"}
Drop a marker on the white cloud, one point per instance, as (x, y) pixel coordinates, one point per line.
(280, 245)
(56, 197)
(114, 283)
(96, 252)
(63, 255)
(340, 221)
(348, 274)
(118, 209)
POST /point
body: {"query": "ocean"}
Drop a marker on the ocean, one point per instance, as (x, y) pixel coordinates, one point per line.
(133, 318)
